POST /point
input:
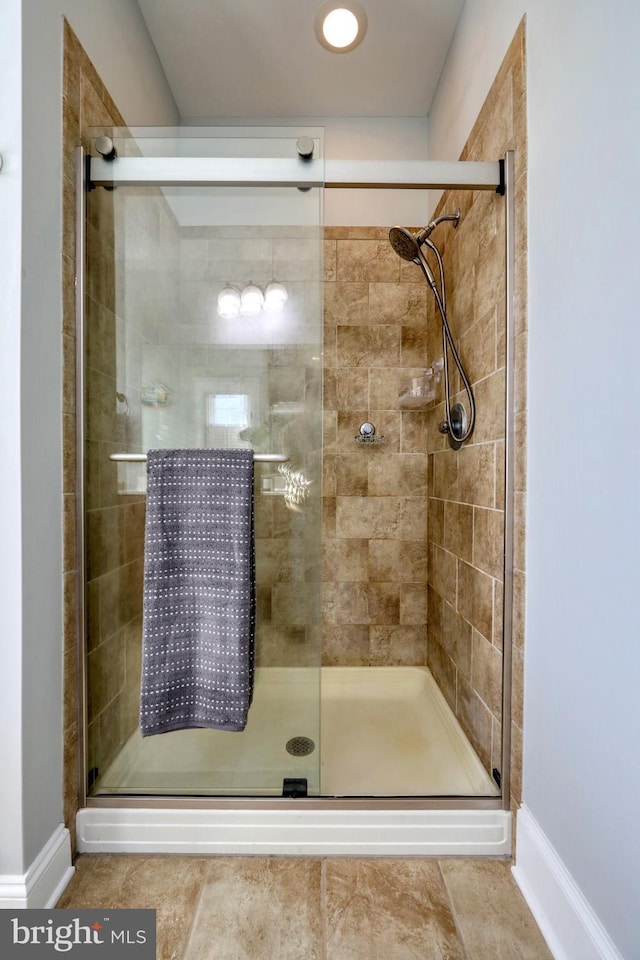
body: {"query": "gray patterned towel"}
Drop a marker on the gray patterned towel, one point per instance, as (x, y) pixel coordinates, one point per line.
(199, 591)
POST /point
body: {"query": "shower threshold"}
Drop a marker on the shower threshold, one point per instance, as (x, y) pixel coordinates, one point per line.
(382, 731)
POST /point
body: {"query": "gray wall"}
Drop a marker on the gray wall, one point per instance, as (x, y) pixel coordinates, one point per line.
(30, 387)
(10, 486)
(582, 668)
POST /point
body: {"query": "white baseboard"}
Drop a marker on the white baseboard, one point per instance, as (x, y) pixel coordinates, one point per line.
(568, 923)
(46, 878)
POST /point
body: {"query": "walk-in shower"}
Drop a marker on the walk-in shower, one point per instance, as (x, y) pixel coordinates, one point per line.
(458, 424)
(339, 746)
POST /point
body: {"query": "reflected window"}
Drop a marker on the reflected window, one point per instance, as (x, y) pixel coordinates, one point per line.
(228, 410)
(226, 415)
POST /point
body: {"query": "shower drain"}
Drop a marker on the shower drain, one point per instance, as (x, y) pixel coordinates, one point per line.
(300, 746)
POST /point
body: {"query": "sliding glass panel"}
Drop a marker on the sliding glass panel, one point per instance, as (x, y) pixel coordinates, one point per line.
(169, 363)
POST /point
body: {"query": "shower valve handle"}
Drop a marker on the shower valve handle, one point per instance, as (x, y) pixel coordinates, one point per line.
(443, 426)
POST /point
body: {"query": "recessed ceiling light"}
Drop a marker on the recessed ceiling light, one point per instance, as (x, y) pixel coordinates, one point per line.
(340, 26)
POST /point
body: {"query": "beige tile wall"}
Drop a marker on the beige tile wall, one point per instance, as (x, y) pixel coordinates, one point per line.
(375, 496)
(287, 540)
(277, 359)
(114, 519)
(114, 516)
(86, 103)
(414, 531)
(117, 326)
(466, 488)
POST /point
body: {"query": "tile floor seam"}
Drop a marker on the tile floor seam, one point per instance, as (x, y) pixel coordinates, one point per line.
(454, 914)
(187, 939)
(324, 945)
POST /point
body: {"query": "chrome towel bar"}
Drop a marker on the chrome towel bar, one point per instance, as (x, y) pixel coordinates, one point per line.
(142, 457)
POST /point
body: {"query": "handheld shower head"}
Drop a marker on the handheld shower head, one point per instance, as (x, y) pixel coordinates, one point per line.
(407, 245)
(458, 424)
(404, 243)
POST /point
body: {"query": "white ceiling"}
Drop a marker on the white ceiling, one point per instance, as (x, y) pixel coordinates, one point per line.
(260, 58)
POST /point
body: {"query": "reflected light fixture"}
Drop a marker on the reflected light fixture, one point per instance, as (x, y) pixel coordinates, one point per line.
(275, 297)
(340, 26)
(229, 302)
(251, 300)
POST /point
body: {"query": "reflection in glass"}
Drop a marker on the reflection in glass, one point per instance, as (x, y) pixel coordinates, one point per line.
(186, 322)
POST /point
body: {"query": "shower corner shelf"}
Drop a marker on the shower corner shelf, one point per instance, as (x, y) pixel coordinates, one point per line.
(420, 391)
(409, 401)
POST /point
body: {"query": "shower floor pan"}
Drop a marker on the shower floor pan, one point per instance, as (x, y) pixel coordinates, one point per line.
(378, 732)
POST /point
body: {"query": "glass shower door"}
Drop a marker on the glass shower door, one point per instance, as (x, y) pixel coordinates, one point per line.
(169, 363)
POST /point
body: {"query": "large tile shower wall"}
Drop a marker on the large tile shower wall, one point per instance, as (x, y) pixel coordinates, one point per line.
(276, 363)
(466, 487)
(126, 302)
(375, 495)
(413, 541)
(86, 103)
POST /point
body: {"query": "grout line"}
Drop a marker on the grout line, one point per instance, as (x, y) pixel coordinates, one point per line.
(189, 932)
(323, 910)
(453, 913)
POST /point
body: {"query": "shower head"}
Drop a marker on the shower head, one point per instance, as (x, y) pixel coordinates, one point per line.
(404, 243)
(407, 245)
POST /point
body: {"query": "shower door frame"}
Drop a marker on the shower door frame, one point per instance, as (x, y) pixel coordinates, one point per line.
(441, 175)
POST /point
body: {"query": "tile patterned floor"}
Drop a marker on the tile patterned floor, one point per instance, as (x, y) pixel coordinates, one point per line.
(274, 908)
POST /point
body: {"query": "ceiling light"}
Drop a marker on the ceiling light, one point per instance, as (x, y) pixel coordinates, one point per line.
(340, 27)
(275, 297)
